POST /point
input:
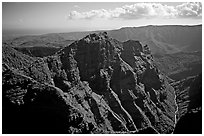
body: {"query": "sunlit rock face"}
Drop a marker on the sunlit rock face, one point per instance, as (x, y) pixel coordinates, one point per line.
(95, 85)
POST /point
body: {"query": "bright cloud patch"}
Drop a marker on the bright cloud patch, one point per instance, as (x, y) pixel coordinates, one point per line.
(143, 10)
(190, 10)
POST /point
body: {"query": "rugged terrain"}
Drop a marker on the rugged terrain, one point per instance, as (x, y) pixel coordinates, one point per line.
(180, 65)
(176, 49)
(165, 39)
(38, 45)
(189, 101)
(95, 85)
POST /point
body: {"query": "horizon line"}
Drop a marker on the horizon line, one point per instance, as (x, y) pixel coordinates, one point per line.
(98, 30)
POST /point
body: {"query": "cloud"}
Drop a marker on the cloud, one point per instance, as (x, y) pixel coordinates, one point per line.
(190, 10)
(143, 10)
(76, 6)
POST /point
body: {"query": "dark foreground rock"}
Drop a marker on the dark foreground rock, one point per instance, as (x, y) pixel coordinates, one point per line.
(189, 100)
(95, 85)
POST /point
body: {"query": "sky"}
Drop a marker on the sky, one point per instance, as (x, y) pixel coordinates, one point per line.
(53, 17)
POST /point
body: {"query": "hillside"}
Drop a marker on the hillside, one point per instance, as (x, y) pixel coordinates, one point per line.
(176, 49)
(189, 100)
(95, 85)
(161, 39)
(38, 46)
(180, 65)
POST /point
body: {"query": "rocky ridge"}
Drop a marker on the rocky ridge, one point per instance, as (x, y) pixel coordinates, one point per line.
(95, 85)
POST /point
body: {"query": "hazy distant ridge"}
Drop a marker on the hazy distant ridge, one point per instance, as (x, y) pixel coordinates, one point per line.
(161, 39)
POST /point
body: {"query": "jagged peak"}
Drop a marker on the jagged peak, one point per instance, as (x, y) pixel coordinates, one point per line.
(95, 37)
(99, 42)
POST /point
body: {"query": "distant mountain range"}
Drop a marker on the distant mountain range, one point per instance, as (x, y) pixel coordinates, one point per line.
(160, 39)
(165, 39)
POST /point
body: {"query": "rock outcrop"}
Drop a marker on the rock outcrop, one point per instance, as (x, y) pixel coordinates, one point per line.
(189, 100)
(94, 85)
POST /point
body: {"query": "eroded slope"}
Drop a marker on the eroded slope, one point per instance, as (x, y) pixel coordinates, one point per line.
(95, 85)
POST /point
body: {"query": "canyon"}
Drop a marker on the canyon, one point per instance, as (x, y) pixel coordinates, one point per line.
(98, 84)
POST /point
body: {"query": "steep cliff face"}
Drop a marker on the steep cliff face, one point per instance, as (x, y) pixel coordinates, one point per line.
(32, 107)
(158, 94)
(189, 100)
(124, 74)
(95, 85)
